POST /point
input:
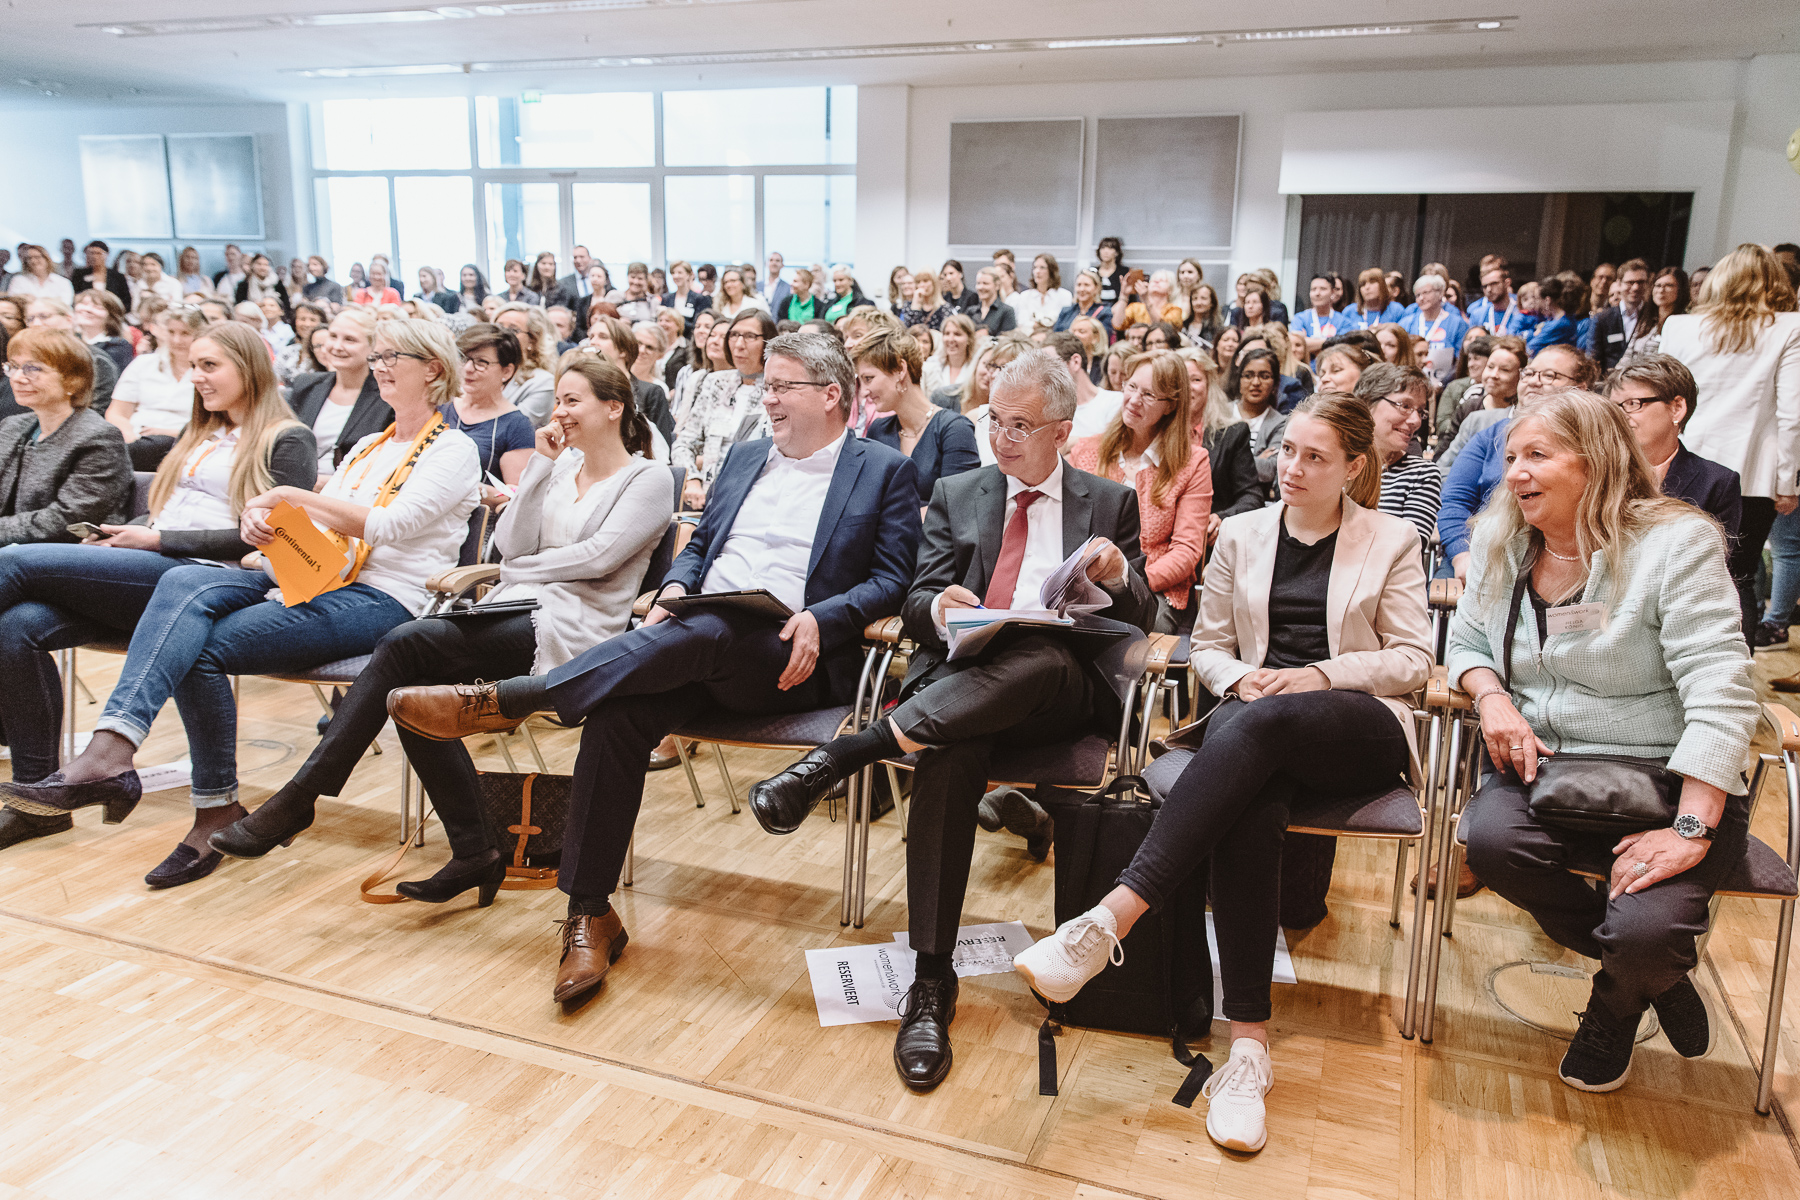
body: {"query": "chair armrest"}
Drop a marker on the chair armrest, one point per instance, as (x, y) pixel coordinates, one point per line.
(1444, 593)
(1439, 693)
(458, 580)
(888, 630)
(643, 604)
(1787, 725)
(1162, 648)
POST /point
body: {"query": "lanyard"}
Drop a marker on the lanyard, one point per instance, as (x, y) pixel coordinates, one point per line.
(1425, 332)
(390, 487)
(212, 443)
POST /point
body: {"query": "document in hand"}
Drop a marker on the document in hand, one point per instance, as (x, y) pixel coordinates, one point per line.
(1067, 593)
(758, 601)
(304, 561)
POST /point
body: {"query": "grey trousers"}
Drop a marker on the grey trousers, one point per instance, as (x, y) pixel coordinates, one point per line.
(1644, 941)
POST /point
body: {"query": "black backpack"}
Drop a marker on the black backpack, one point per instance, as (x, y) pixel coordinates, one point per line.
(1165, 985)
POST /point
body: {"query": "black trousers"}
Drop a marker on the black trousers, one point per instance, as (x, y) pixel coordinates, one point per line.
(429, 651)
(1644, 941)
(1232, 803)
(148, 451)
(635, 690)
(1746, 556)
(1032, 693)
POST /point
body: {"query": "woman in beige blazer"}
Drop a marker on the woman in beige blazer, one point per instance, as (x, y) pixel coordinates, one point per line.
(1312, 630)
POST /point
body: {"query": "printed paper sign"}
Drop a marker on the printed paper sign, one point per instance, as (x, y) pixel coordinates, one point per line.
(854, 985)
(165, 776)
(305, 562)
(984, 949)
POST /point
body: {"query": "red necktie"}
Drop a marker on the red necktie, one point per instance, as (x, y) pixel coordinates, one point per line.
(1012, 554)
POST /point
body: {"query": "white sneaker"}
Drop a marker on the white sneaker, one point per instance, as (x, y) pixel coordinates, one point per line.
(1060, 964)
(1234, 1114)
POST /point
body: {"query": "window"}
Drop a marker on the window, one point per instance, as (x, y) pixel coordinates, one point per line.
(395, 135)
(810, 218)
(358, 225)
(710, 218)
(523, 222)
(436, 218)
(760, 127)
(595, 130)
(613, 221)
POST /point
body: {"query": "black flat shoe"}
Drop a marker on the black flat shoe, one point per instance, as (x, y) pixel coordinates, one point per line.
(922, 1047)
(448, 885)
(16, 827)
(184, 865)
(782, 802)
(54, 797)
(276, 822)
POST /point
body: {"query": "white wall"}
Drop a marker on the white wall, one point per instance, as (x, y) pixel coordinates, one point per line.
(1758, 198)
(39, 144)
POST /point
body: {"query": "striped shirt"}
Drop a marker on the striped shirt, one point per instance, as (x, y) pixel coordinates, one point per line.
(1409, 489)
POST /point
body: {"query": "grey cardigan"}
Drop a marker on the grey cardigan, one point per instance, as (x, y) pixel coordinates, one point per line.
(79, 473)
(1667, 677)
(584, 590)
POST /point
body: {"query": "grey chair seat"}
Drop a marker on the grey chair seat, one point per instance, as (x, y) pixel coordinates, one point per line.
(1393, 813)
(342, 672)
(1761, 873)
(802, 730)
(1080, 764)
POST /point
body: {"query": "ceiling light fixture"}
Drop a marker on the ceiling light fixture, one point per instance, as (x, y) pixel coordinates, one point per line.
(917, 49)
(388, 16)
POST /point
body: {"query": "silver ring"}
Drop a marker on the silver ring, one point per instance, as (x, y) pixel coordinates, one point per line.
(1518, 746)
(1640, 868)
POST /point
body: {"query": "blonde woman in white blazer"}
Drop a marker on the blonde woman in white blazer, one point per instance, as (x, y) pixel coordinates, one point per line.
(1312, 629)
(1742, 342)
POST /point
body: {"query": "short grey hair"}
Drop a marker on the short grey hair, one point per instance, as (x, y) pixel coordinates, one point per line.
(1433, 280)
(1042, 372)
(823, 359)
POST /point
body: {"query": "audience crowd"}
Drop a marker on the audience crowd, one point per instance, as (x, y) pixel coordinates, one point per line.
(1276, 485)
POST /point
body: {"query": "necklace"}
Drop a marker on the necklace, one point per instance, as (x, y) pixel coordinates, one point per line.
(1563, 557)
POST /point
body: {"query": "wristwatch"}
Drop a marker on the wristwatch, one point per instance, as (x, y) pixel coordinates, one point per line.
(1688, 826)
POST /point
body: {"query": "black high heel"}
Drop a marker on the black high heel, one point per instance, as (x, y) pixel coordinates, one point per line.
(447, 885)
(276, 822)
(56, 797)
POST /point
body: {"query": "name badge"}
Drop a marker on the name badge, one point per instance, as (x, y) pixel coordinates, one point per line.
(1576, 618)
(1615, 337)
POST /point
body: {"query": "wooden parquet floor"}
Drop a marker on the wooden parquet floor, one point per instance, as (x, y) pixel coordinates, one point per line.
(264, 1033)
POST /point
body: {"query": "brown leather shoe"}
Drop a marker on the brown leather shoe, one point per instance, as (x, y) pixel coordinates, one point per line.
(447, 712)
(1787, 683)
(1466, 883)
(591, 945)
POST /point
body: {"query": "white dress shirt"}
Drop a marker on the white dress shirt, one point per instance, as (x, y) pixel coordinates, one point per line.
(770, 543)
(1043, 540)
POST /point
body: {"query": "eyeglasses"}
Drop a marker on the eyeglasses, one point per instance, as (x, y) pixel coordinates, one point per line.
(1260, 376)
(1014, 433)
(479, 365)
(387, 358)
(29, 370)
(1132, 392)
(1632, 404)
(782, 387)
(744, 336)
(1420, 411)
(1545, 374)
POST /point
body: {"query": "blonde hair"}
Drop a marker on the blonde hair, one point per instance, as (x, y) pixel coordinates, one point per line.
(539, 344)
(997, 353)
(1274, 333)
(929, 278)
(1621, 502)
(1743, 293)
(266, 416)
(1216, 416)
(1174, 440)
(433, 342)
(1350, 419)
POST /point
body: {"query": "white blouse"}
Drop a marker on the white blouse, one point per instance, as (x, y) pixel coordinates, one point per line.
(164, 400)
(202, 495)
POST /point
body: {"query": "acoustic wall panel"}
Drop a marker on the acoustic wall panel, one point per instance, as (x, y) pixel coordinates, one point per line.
(126, 181)
(1166, 181)
(1015, 183)
(216, 185)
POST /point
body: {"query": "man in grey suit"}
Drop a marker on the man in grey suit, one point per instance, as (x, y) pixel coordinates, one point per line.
(576, 286)
(991, 537)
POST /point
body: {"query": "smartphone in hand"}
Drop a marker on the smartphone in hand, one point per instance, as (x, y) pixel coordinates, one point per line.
(83, 530)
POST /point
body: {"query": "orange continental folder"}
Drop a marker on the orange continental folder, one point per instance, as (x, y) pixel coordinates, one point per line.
(303, 558)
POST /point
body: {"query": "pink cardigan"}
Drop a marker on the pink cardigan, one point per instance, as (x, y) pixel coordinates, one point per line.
(1173, 534)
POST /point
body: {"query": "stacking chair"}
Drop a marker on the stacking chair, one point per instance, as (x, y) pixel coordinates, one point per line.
(1762, 874)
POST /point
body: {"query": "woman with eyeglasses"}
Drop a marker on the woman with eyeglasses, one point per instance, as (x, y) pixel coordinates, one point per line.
(1489, 402)
(1398, 399)
(503, 435)
(729, 409)
(889, 366)
(1149, 445)
(239, 441)
(397, 510)
(100, 319)
(341, 404)
(60, 462)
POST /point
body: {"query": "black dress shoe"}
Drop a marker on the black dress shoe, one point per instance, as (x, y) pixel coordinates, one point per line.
(783, 801)
(54, 797)
(16, 827)
(922, 1048)
(448, 884)
(184, 865)
(276, 822)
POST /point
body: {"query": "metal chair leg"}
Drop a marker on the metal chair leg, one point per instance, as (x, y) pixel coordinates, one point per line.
(536, 754)
(319, 695)
(406, 800)
(1765, 1079)
(862, 807)
(893, 777)
(505, 753)
(1405, 845)
(630, 862)
(87, 695)
(66, 664)
(1442, 852)
(725, 774)
(687, 765)
(1409, 1012)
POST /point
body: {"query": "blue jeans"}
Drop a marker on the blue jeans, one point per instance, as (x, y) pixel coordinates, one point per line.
(1784, 581)
(53, 596)
(206, 624)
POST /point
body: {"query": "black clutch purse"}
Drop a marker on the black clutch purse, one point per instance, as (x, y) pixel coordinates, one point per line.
(1604, 793)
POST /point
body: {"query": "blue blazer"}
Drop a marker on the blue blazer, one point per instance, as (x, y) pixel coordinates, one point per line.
(947, 447)
(1560, 332)
(863, 552)
(1712, 487)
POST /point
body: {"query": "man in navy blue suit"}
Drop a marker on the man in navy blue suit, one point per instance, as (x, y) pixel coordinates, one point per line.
(824, 520)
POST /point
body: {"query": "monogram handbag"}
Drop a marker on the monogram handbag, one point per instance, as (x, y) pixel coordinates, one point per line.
(527, 813)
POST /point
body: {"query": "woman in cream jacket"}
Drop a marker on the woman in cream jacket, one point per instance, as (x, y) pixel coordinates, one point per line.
(1312, 630)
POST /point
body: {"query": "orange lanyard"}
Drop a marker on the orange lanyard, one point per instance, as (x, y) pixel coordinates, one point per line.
(212, 444)
(390, 486)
